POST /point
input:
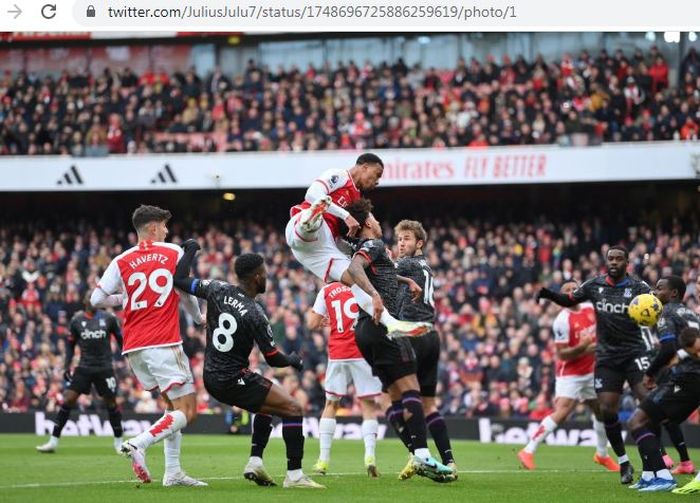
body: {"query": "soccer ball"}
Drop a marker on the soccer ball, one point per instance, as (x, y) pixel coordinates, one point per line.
(645, 309)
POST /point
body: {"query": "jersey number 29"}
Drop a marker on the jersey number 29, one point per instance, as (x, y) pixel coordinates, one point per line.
(152, 282)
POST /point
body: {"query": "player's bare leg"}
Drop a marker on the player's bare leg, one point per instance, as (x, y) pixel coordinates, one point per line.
(280, 403)
(326, 430)
(185, 412)
(438, 430)
(394, 327)
(601, 456)
(562, 408)
(369, 434)
(70, 398)
(609, 406)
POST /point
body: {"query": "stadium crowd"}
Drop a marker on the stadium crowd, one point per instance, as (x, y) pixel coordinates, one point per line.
(604, 97)
(497, 357)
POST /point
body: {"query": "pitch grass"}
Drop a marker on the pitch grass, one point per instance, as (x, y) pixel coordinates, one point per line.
(87, 469)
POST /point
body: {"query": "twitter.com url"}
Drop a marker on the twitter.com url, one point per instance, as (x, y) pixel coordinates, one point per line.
(355, 12)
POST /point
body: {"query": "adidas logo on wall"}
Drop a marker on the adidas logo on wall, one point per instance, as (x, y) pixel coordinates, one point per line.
(164, 176)
(71, 177)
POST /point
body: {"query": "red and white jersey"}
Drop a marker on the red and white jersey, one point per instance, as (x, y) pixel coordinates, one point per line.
(144, 274)
(339, 185)
(568, 327)
(336, 301)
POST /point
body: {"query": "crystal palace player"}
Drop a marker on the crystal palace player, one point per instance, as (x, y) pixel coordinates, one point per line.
(674, 400)
(392, 359)
(315, 224)
(574, 338)
(235, 322)
(411, 238)
(674, 318)
(141, 279)
(622, 348)
(335, 306)
(90, 330)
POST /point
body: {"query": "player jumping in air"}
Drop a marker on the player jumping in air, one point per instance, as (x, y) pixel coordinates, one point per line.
(315, 224)
(141, 279)
(575, 343)
(90, 330)
(411, 239)
(622, 348)
(336, 307)
(392, 360)
(235, 323)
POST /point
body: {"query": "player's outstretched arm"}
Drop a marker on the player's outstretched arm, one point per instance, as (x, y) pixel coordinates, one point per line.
(107, 293)
(101, 300)
(278, 359)
(262, 333)
(558, 298)
(182, 279)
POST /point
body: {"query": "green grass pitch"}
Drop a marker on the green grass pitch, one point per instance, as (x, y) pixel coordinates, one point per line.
(87, 469)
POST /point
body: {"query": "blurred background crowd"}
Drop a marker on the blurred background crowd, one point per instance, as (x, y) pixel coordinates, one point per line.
(582, 97)
(497, 357)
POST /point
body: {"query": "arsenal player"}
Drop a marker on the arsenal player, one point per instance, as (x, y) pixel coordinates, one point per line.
(141, 279)
(575, 341)
(336, 308)
(315, 225)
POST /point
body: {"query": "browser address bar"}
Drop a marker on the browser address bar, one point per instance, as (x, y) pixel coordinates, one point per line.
(348, 15)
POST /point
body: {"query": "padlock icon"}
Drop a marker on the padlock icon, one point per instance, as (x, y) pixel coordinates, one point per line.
(90, 11)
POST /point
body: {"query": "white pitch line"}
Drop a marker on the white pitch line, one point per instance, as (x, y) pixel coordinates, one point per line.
(338, 474)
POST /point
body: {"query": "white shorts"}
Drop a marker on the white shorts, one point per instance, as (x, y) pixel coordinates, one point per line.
(575, 387)
(165, 368)
(341, 373)
(321, 255)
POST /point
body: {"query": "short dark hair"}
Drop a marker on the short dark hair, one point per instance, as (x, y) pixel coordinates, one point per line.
(676, 283)
(413, 226)
(687, 337)
(369, 158)
(619, 248)
(247, 264)
(146, 214)
(360, 210)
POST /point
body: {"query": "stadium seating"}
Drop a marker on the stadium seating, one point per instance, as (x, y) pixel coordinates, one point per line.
(577, 99)
(497, 357)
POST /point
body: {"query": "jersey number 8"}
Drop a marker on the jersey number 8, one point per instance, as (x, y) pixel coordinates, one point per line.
(222, 338)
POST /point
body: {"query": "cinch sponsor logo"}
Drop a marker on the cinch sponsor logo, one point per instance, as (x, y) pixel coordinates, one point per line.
(609, 307)
(93, 334)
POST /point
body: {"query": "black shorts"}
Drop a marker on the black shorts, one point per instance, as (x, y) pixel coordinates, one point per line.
(390, 359)
(674, 400)
(611, 373)
(427, 349)
(245, 390)
(104, 380)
